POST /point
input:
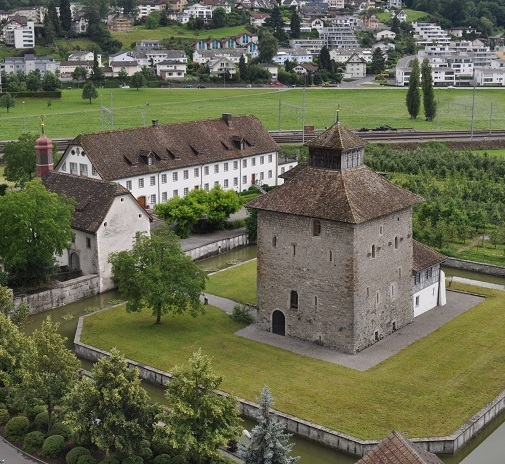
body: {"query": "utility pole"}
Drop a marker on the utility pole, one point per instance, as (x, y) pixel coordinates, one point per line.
(303, 116)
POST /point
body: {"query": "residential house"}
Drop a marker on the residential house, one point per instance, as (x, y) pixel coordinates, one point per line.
(339, 37)
(336, 4)
(429, 34)
(273, 69)
(106, 219)
(145, 8)
(400, 15)
(31, 13)
(355, 67)
(371, 21)
(171, 69)
(315, 9)
(29, 63)
(121, 23)
(396, 4)
(19, 32)
(494, 77)
(233, 54)
(385, 34)
(297, 55)
(222, 67)
(257, 19)
(342, 55)
(79, 24)
(160, 162)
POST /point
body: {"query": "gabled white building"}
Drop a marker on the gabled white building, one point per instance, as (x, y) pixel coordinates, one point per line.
(105, 221)
(221, 66)
(29, 63)
(430, 34)
(164, 161)
(171, 69)
(233, 54)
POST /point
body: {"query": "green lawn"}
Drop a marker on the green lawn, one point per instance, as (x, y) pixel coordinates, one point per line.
(141, 32)
(412, 15)
(237, 284)
(71, 115)
(428, 389)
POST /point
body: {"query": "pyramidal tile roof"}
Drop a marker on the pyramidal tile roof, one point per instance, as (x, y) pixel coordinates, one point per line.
(338, 137)
(396, 449)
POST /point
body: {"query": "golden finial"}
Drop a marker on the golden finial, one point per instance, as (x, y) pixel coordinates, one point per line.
(42, 116)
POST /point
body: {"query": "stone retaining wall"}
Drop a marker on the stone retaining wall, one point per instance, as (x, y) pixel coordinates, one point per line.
(220, 246)
(60, 294)
(310, 430)
(474, 266)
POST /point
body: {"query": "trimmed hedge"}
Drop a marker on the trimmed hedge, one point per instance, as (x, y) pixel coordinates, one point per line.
(4, 416)
(40, 422)
(109, 461)
(32, 412)
(27, 94)
(16, 428)
(86, 459)
(75, 453)
(33, 441)
(162, 459)
(53, 446)
(62, 429)
(133, 460)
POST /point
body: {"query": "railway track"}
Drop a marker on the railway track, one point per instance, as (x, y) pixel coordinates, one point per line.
(390, 136)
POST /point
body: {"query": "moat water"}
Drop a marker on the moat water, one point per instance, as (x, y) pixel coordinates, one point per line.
(486, 448)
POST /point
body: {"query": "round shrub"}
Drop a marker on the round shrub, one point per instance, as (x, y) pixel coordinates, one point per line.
(40, 422)
(133, 460)
(16, 428)
(32, 412)
(53, 446)
(162, 459)
(109, 461)
(75, 453)
(86, 459)
(4, 416)
(179, 459)
(33, 441)
(59, 428)
(146, 454)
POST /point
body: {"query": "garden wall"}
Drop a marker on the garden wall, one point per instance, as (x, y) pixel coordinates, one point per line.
(60, 294)
(310, 430)
(475, 267)
(218, 246)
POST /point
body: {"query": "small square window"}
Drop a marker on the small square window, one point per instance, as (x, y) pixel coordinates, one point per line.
(196, 172)
(262, 160)
(225, 167)
(186, 190)
(88, 242)
(152, 180)
(129, 184)
(206, 187)
(244, 179)
(216, 169)
(175, 193)
(175, 176)
(235, 181)
(186, 174)
(253, 161)
(141, 183)
(163, 178)
(269, 158)
(153, 199)
(235, 165)
(206, 170)
(164, 196)
(225, 183)
(270, 174)
(244, 163)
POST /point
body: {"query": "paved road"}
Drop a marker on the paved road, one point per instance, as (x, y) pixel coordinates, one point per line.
(11, 455)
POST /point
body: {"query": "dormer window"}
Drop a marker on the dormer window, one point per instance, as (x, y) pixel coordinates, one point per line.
(149, 160)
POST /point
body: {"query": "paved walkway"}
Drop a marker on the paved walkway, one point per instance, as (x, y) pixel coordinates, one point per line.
(457, 303)
(9, 454)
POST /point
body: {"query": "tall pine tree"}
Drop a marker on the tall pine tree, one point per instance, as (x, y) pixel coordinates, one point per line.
(430, 106)
(269, 443)
(325, 59)
(295, 24)
(65, 15)
(413, 94)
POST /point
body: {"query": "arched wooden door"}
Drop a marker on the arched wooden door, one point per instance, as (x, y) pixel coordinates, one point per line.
(278, 323)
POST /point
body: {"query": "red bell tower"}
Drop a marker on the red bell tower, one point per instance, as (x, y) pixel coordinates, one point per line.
(44, 152)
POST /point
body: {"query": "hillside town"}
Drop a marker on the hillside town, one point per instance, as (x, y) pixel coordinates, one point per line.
(367, 38)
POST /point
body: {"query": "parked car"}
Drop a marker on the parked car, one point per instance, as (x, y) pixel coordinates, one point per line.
(187, 86)
(201, 86)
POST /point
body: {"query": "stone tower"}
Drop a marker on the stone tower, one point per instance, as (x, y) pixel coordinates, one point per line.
(44, 153)
(335, 249)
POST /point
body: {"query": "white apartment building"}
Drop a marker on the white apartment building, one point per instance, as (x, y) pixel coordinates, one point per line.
(160, 162)
(144, 9)
(19, 33)
(429, 34)
(339, 37)
(29, 63)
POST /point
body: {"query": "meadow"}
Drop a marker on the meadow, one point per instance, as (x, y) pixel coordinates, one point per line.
(428, 389)
(71, 115)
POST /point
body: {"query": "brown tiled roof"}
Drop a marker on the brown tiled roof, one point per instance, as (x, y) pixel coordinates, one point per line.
(120, 154)
(424, 256)
(337, 137)
(93, 197)
(290, 173)
(352, 196)
(396, 449)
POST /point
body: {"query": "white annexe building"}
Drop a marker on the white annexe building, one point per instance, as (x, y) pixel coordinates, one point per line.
(160, 162)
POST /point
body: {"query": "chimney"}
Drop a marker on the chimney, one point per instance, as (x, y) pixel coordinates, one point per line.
(227, 118)
(155, 123)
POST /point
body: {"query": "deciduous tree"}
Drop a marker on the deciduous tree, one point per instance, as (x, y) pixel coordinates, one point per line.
(267, 47)
(7, 101)
(198, 420)
(65, 16)
(79, 74)
(89, 91)
(138, 80)
(325, 59)
(413, 95)
(269, 443)
(51, 82)
(33, 80)
(17, 314)
(20, 161)
(429, 103)
(112, 411)
(156, 274)
(49, 368)
(35, 226)
(295, 24)
(378, 64)
(12, 346)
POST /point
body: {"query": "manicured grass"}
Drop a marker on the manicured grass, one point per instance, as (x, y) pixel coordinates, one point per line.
(428, 389)
(237, 284)
(71, 115)
(141, 32)
(412, 15)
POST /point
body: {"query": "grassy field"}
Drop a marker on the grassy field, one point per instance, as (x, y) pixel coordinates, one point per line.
(412, 15)
(141, 32)
(237, 285)
(428, 389)
(71, 115)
